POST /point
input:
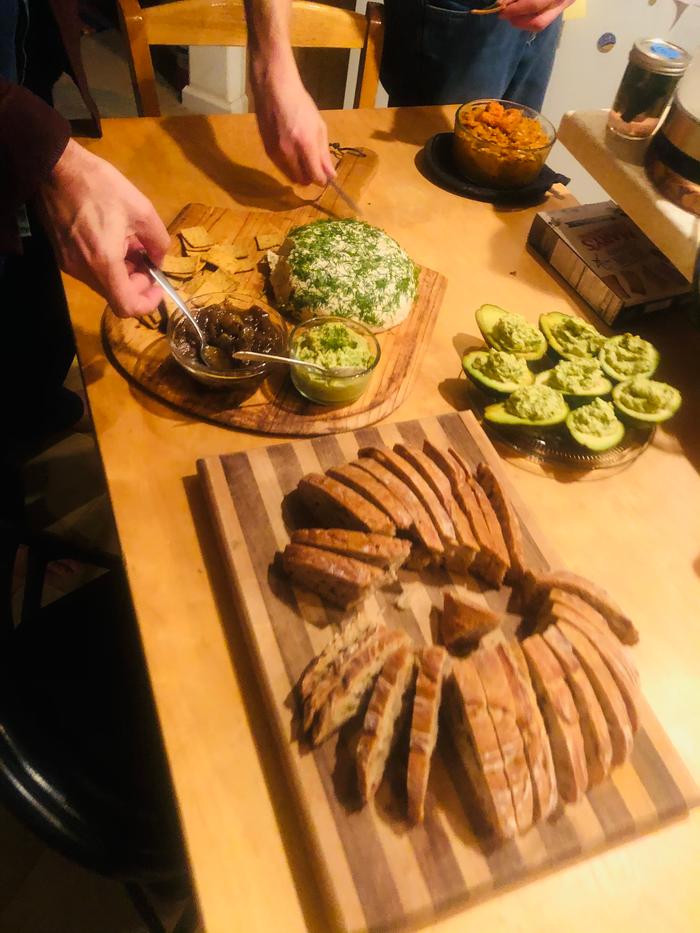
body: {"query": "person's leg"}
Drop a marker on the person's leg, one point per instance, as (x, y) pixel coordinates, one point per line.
(529, 83)
(440, 53)
(38, 342)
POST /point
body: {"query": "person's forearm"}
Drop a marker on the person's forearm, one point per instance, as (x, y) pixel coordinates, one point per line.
(268, 35)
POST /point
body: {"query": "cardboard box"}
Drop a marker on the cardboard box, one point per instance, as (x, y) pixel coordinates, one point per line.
(607, 259)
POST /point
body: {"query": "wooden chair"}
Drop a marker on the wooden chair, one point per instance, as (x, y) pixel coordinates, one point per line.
(222, 22)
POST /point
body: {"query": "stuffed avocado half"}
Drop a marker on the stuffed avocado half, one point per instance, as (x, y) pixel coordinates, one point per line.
(570, 337)
(534, 406)
(627, 355)
(595, 425)
(579, 380)
(646, 400)
(511, 333)
(496, 371)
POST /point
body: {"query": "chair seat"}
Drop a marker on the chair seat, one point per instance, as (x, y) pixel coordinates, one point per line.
(81, 756)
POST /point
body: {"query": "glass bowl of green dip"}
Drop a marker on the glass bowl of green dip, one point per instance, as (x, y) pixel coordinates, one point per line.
(334, 343)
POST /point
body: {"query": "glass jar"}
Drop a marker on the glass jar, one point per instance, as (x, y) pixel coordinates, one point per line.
(654, 68)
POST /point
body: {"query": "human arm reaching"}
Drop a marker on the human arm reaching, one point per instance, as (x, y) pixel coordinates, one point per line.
(99, 223)
(96, 219)
(292, 129)
(533, 15)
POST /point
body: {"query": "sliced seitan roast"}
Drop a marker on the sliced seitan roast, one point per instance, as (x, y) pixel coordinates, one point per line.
(532, 730)
(501, 707)
(379, 550)
(561, 718)
(349, 474)
(477, 744)
(539, 585)
(433, 665)
(353, 681)
(339, 580)
(334, 505)
(464, 622)
(425, 534)
(594, 728)
(381, 719)
(462, 557)
(507, 517)
(606, 690)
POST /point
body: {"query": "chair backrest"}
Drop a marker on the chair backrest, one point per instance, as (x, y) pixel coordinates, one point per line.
(222, 23)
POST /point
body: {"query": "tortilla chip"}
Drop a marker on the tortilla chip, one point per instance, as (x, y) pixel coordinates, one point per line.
(268, 240)
(196, 238)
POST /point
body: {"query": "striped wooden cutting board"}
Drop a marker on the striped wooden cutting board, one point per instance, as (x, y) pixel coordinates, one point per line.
(377, 871)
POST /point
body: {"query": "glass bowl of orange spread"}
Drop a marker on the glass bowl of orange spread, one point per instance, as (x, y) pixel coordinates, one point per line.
(501, 144)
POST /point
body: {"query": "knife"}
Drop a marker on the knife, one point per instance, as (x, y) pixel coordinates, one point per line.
(346, 197)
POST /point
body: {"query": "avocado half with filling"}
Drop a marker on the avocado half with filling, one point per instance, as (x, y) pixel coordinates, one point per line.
(534, 406)
(511, 333)
(570, 337)
(595, 425)
(626, 355)
(579, 380)
(496, 371)
(646, 401)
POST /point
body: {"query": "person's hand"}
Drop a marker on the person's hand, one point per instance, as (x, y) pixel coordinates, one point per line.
(533, 15)
(99, 223)
(292, 129)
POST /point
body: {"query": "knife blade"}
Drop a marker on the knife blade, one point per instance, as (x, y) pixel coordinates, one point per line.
(346, 197)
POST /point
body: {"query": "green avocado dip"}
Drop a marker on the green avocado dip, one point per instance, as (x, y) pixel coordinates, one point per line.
(513, 332)
(597, 419)
(628, 355)
(534, 403)
(501, 366)
(646, 396)
(575, 376)
(332, 344)
(576, 337)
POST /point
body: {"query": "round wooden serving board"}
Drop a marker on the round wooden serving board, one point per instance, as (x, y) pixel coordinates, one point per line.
(142, 353)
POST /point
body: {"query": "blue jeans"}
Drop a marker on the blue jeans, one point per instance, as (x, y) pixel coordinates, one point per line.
(440, 53)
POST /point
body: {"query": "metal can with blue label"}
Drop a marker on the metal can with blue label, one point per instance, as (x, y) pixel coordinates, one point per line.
(654, 68)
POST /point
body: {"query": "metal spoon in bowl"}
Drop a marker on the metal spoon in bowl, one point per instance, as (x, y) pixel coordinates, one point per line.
(335, 371)
(164, 283)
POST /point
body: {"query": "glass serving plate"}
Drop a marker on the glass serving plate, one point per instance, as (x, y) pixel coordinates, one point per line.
(555, 446)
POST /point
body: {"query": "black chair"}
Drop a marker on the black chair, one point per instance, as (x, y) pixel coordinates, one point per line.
(81, 757)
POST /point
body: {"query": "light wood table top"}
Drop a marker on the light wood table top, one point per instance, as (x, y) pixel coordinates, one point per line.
(636, 533)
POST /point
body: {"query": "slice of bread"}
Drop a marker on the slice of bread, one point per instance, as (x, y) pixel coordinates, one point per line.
(594, 728)
(609, 697)
(475, 739)
(353, 681)
(433, 664)
(501, 707)
(561, 718)
(532, 730)
(334, 505)
(379, 550)
(381, 719)
(464, 622)
(341, 581)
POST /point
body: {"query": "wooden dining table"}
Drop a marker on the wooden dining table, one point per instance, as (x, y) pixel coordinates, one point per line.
(636, 531)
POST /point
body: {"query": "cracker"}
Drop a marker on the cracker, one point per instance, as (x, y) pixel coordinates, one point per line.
(180, 266)
(268, 240)
(218, 281)
(196, 238)
(223, 257)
